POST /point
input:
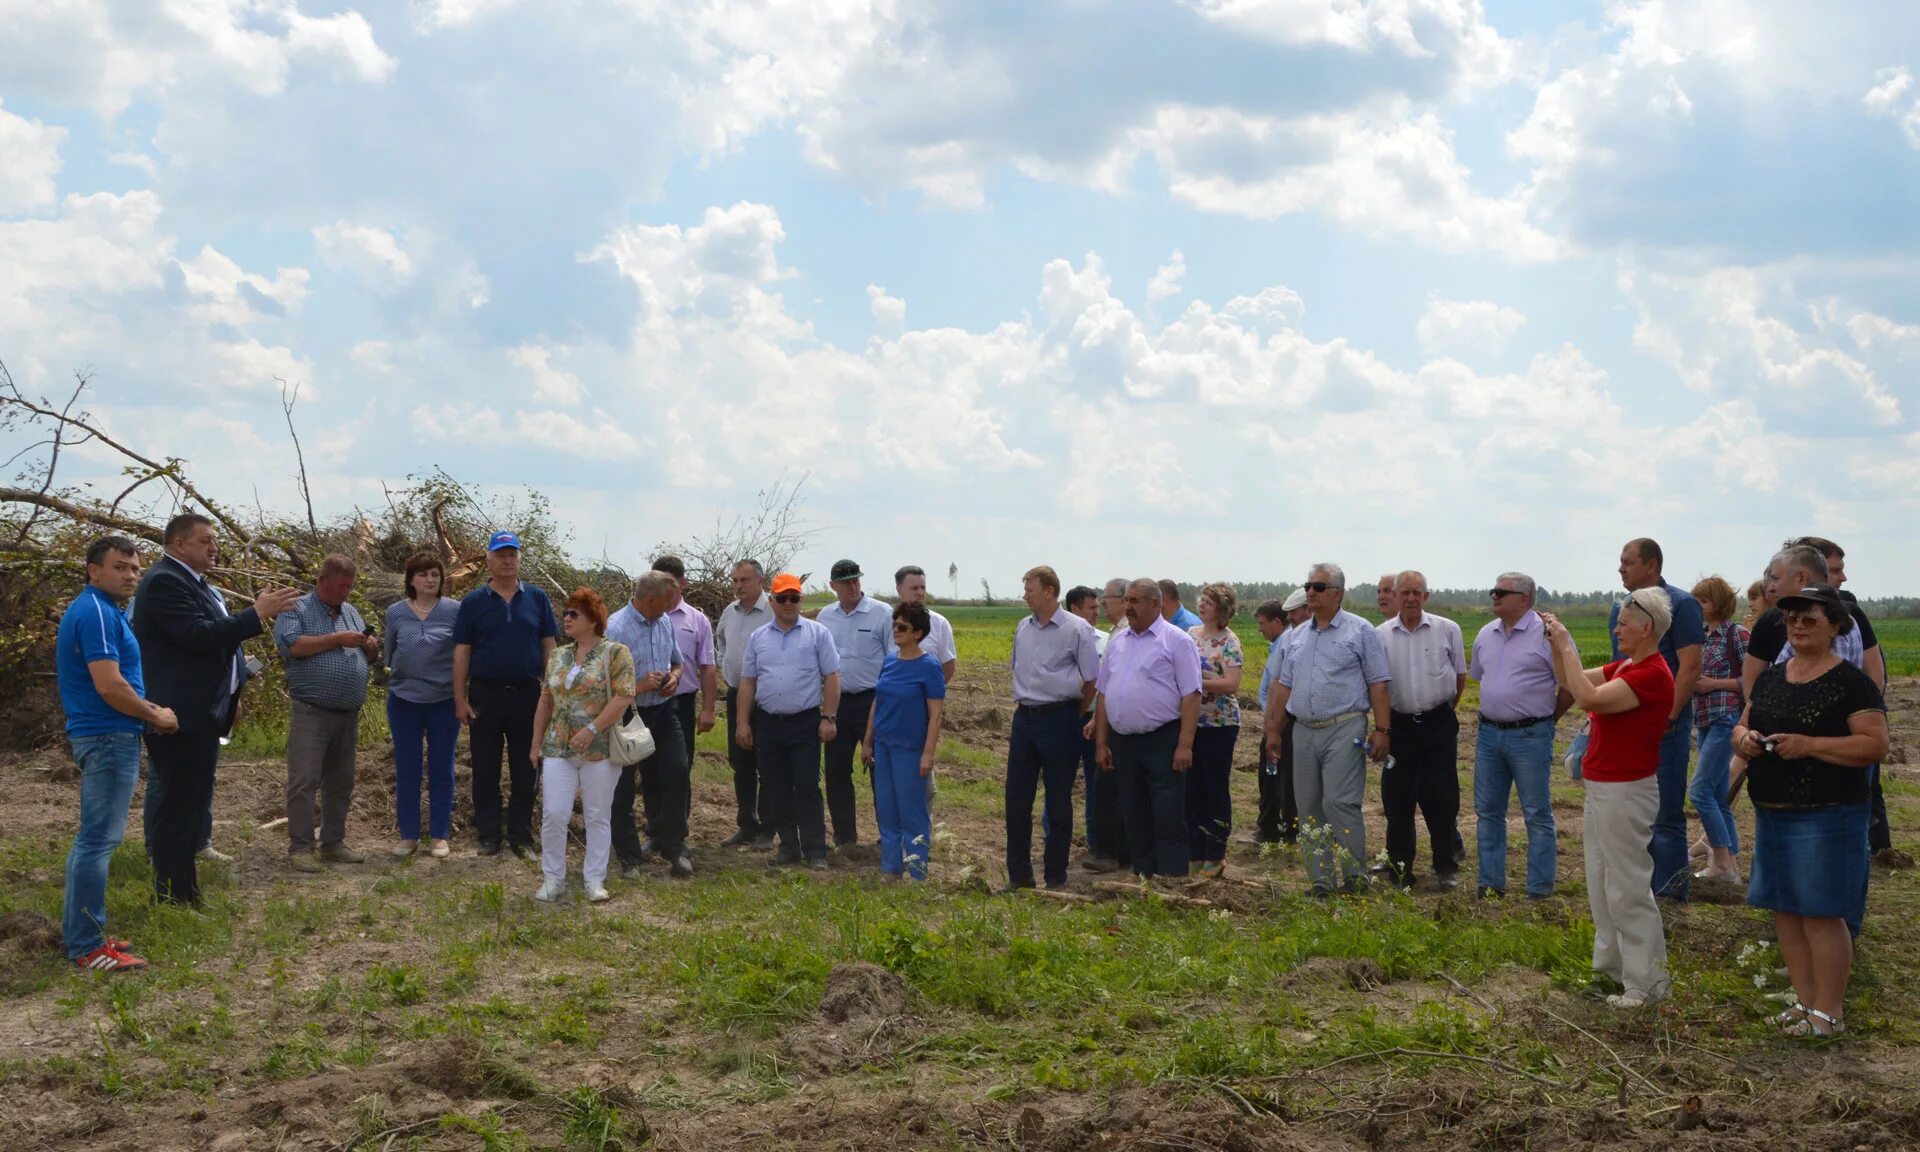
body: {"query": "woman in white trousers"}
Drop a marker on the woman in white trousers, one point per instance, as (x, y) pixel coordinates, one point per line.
(1629, 702)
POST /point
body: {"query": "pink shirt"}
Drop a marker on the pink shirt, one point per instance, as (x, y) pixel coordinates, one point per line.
(1146, 675)
(693, 632)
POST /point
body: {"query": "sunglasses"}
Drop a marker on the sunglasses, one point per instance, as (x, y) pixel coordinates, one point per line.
(902, 626)
(1498, 593)
(570, 614)
(1316, 585)
(1805, 619)
(787, 598)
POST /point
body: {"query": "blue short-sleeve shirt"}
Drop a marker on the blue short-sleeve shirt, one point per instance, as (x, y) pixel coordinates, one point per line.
(95, 628)
(900, 700)
(787, 664)
(505, 634)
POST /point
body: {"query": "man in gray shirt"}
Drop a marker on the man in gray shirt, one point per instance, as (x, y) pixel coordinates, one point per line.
(739, 620)
(325, 644)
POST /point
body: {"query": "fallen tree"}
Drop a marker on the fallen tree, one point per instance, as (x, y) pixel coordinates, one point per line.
(46, 522)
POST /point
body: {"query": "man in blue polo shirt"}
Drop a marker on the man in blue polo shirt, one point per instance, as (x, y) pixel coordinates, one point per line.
(104, 697)
(501, 640)
(1643, 565)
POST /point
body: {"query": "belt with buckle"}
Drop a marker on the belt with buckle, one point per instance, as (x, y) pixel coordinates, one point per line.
(1049, 706)
(1423, 717)
(1330, 722)
(1510, 725)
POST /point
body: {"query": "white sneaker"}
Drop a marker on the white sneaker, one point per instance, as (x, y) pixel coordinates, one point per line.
(552, 890)
(215, 855)
(597, 894)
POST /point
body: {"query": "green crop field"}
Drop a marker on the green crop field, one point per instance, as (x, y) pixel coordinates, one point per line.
(986, 634)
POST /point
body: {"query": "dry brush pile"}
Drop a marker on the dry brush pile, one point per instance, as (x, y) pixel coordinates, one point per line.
(48, 519)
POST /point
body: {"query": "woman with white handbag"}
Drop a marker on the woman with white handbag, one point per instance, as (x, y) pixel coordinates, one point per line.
(588, 684)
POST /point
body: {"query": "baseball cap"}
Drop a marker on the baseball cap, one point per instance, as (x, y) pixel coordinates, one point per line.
(786, 582)
(845, 570)
(1296, 600)
(1817, 594)
(503, 540)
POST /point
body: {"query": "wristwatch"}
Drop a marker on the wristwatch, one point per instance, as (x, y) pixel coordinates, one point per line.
(593, 728)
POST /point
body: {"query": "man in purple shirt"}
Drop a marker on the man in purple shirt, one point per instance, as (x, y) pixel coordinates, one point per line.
(699, 688)
(1519, 701)
(1143, 723)
(1056, 657)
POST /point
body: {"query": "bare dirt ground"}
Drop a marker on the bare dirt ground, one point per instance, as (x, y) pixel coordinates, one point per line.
(848, 1074)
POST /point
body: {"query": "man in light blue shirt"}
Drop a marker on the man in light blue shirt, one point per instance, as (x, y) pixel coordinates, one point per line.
(790, 703)
(861, 628)
(1333, 674)
(664, 779)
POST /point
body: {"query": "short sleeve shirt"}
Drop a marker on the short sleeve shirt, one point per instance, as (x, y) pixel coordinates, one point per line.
(862, 637)
(1819, 707)
(95, 628)
(730, 637)
(505, 634)
(580, 693)
(1146, 675)
(1328, 669)
(653, 646)
(1216, 656)
(336, 678)
(695, 633)
(1625, 746)
(787, 665)
(1427, 662)
(1053, 661)
(900, 700)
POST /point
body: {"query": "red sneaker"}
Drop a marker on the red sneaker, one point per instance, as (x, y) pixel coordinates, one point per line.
(108, 958)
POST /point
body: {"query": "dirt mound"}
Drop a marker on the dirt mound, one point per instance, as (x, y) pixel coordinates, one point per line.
(861, 991)
(1363, 975)
(24, 934)
(863, 1017)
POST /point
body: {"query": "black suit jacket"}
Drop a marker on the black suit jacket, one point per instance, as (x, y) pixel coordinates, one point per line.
(187, 647)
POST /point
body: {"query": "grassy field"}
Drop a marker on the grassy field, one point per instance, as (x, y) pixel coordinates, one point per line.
(986, 634)
(432, 1005)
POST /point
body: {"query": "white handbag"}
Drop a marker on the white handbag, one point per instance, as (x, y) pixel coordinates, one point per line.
(629, 743)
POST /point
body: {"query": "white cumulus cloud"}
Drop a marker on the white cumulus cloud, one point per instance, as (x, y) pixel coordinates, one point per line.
(369, 252)
(29, 161)
(1473, 330)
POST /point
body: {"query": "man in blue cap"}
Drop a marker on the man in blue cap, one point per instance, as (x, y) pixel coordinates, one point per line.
(501, 640)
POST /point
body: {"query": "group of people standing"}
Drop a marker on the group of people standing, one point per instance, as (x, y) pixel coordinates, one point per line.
(1147, 709)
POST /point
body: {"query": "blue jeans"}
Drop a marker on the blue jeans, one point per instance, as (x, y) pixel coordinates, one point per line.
(437, 724)
(109, 768)
(1671, 872)
(1506, 760)
(150, 807)
(900, 807)
(1709, 789)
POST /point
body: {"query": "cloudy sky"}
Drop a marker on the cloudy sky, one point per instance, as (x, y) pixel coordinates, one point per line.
(1200, 288)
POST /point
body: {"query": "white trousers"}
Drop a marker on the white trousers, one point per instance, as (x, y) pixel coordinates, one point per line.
(593, 781)
(1629, 940)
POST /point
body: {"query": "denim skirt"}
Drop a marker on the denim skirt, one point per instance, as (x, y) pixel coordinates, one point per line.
(1810, 861)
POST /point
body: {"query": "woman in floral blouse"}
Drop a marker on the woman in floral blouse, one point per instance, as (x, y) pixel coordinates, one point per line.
(588, 684)
(1209, 803)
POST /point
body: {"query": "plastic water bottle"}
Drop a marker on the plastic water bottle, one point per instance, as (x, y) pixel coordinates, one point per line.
(1385, 765)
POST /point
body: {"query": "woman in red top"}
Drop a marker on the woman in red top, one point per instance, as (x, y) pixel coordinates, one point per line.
(1629, 701)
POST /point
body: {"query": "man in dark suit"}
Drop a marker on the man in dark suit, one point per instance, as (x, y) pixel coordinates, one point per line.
(190, 647)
